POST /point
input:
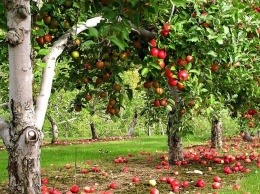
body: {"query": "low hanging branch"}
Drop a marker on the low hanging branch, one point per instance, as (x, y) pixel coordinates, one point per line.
(4, 104)
(4, 131)
(50, 60)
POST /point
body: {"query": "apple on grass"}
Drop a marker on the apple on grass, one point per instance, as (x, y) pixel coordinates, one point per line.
(152, 182)
(154, 191)
(216, 185)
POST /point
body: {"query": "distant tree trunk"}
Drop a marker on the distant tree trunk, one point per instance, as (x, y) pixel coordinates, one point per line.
(132, 126)
(175, 149)
(55, 132)
(93, 130)
(149, 131)
(247, 136)
(174, 139)
(216, 133)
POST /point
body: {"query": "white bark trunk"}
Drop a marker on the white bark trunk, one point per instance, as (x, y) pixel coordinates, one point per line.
(48, 72)
(24, 146)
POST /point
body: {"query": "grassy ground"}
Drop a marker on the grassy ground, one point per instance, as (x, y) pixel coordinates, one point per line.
(102, 154)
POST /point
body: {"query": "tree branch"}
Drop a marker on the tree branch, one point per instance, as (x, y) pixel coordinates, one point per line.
(173, 8)
(143, 32)
(4, 131)
(4, 104)
(48, 71)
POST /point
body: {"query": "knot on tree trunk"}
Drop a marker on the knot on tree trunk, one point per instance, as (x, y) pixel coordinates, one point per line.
(15, 37)
(22, 12)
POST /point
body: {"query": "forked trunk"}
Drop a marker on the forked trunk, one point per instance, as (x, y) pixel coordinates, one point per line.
(175, 149)
(216, 133)
(93, 131)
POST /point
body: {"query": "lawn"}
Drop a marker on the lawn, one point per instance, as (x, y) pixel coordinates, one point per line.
(147, 156)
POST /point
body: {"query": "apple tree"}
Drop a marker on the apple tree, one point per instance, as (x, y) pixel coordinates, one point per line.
(203, 60)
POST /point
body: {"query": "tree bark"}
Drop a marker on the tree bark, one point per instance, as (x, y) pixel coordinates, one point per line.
(25, 138)
(175, 148)
(93, 131)
(132, 126)
(216, 133)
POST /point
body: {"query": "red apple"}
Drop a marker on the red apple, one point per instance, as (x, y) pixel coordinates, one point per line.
(216, 185)
(153, 42)
(162, 54)
(135, 179)
(200, 183)
(44, 181)
(185, 184)
(182, 62)
(183, 75)
(113, 185)
(163, 179)
(154, 191)
(154, 52)
(189, 58)
(74, 188)
(84, 171)
(172, 82)
(216, 179)
(156, 103)
(236, 187)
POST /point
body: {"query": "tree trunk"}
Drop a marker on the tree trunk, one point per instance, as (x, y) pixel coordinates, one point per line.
(25, 138)
(54, 130)
(93, 131)
(132, 126)
(175, 149)
(216, 133)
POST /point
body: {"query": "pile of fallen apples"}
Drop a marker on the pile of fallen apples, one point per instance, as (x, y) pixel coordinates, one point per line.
(230, 160)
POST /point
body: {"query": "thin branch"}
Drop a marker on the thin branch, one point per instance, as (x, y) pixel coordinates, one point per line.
(143, 32)
(4, 104)
(173, 9)
(67, 121)
(4, 132)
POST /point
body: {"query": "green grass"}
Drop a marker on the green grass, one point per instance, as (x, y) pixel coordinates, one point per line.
(60, 155)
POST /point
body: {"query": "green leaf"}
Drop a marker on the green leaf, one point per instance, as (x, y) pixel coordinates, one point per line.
(204, 90)
(195, 71)
(93, 32)
(179, 2)
(41, 64)
(169, 108)
(156, 66)
(212, 53)
(144, 71)
(40, 32)
(226, 29)
(44, 52)
(104, 30)
(210, 37)
(194, 39)
(134, 2)
(129, 94)
(88, 43)
(220, 40)
(120, 43)
(121, 99)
